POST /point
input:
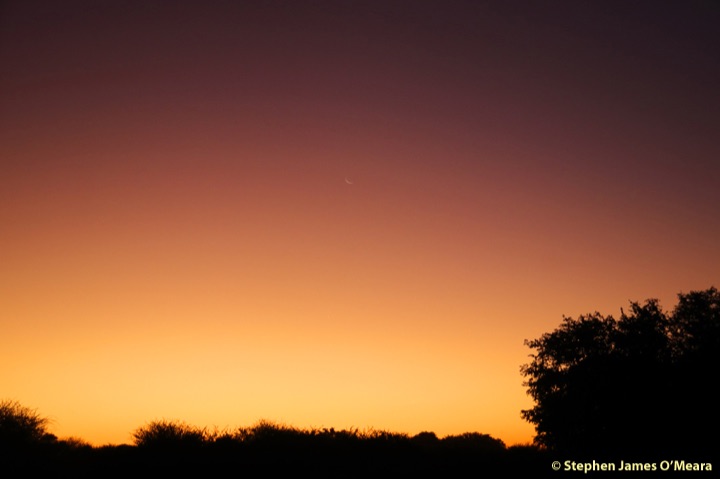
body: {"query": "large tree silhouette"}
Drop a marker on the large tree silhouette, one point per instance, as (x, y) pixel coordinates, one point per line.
(639, 384)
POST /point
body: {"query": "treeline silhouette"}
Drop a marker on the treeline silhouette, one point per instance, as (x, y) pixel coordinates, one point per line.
(174, 447)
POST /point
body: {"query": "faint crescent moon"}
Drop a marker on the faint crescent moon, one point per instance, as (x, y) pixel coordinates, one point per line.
(348, 181)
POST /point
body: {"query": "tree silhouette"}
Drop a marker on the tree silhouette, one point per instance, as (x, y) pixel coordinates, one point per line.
(21, 426)
(27, 449)
(641, 383)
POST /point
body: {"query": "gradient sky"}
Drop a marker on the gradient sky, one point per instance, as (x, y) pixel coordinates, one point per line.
(339, 213)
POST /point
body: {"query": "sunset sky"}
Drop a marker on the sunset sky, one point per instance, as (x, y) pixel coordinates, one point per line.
(339, 213)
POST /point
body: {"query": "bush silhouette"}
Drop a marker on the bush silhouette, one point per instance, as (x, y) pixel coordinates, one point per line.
(475, 441)
(640, 383)
(21, 426)
(269, 432)
(164, 434)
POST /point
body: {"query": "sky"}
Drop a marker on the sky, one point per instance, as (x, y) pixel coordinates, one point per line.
(339, 213)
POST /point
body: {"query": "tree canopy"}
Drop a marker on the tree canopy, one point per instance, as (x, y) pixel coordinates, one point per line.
(641, 383)
(21, 426)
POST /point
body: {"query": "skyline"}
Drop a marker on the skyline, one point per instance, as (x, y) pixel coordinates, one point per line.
(179, 239)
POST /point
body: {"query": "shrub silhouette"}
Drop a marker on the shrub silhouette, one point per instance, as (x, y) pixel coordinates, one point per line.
(26, 447)
(20, 425)
(640, 383)
(75, 443)
(269, 432)
(164, 434)
(475, 441)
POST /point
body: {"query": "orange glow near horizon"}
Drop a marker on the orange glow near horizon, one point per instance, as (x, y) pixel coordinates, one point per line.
(178, 239)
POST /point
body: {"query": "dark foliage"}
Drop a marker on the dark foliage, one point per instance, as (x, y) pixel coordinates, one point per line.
(21, 426)
(639, 384)
(268, 449)
(169, 435)
(26, 446)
